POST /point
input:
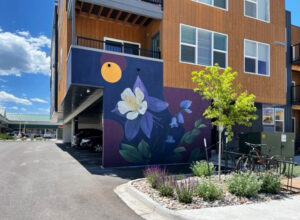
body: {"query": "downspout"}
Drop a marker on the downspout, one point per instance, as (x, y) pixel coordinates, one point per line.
(74, 42)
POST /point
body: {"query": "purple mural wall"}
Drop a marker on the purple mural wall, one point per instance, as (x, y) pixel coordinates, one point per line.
(143, 122)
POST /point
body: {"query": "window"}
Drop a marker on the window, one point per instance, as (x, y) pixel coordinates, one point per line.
(257, 57)
(258, 9)
(279, 119)
(268, 116)
(217, 3)
(122, 46)
(203, 47)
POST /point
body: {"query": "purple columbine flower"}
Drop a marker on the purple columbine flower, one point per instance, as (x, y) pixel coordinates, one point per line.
(184, 107)
(136, 105)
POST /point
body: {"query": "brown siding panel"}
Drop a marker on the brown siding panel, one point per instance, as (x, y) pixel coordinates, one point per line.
(238, 27)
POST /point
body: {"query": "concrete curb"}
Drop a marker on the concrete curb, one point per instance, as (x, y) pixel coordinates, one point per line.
(148, 209)
(144, 206)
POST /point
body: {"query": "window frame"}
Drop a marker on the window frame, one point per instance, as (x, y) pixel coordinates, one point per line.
(196, 46)
(256, 3)
(212, 5)
(256, 58)
(268, 124)
(283, 121)
(122, 42)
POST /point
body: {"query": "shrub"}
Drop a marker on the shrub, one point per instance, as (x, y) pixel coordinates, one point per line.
(208, 191)
(166, 186)
(244, 184)
(202, 168)
(5, 137)
(271, 183)
(154, 175)
(185, 191)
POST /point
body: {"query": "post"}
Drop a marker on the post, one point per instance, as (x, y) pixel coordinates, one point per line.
(220, 129)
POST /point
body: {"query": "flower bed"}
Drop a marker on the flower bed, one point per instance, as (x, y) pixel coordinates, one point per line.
(204, 192)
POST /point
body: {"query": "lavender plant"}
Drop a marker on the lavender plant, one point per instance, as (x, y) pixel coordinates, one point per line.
(154, 175)
(167, 185)
(185, 190)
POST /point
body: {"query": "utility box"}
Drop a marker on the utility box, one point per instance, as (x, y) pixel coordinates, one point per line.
(282, 144)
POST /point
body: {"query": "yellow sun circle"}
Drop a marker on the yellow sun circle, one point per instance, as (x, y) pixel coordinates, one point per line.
(111, 72)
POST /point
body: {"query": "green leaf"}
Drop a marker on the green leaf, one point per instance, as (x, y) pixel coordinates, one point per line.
(128, 147)
(202, 126)
(198, 123)
(195, 132)
(144, 149)
(131, 156)
(188, 137)
(179, 149)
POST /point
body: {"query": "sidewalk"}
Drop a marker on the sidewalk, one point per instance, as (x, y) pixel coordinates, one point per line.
(287, 209)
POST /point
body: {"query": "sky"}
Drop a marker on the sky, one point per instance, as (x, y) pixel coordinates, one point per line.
(25, 32)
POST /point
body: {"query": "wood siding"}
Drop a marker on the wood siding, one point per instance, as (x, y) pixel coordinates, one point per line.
(238, 27)
(64, 42)
(100, 28)
(295, 34)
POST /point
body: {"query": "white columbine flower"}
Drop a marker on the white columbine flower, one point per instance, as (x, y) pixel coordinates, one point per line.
(132, 103)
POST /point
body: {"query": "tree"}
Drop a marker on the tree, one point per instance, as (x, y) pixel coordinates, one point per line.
(229, 106)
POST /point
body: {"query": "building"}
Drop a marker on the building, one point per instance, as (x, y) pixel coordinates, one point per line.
(125, 67)
(295, 33)
(37, 124)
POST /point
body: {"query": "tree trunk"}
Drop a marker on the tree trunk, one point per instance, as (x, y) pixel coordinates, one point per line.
(220, 129)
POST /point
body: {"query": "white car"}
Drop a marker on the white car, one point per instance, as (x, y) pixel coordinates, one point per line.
(48, 135)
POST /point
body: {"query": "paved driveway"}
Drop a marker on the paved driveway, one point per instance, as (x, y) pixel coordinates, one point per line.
(40, 180)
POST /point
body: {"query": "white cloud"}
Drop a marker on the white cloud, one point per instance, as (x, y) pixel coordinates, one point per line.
(7, 97)
(38, 100)
(23, 109)
(14, 108)
(44, 109)
(22, 53)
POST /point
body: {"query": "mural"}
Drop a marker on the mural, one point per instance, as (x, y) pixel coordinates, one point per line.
(144, 122)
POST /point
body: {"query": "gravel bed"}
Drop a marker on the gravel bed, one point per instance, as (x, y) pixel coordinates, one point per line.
(227, 199)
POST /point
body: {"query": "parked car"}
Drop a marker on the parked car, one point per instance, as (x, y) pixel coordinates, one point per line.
(49, 135)
(93, 143)
(85, 133)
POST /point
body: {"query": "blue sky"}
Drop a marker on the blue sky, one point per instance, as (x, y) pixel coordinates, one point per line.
(25, 31)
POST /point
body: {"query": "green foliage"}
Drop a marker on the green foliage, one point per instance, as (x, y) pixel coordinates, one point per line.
(166, 186)
(244, 184)
(154, 175)
(138, 154)
(202, 168)
(189, 136)
(6, 137)
(209, 191)
(271, 183)
(228, 108)
(196, 155)
(185, 191)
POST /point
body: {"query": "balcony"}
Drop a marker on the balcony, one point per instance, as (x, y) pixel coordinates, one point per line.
(118, 47)
(152, 9)
(296, 95)
(296, 54)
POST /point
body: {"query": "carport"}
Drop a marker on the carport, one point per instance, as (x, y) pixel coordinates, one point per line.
(82, 109)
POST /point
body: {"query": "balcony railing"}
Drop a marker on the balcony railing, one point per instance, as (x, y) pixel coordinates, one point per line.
(296, 53)
(117, 47)
(296, 95)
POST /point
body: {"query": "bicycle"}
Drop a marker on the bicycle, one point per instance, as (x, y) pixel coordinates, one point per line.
(248, 161)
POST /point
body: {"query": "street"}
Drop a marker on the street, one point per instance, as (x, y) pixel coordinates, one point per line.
(39, 180)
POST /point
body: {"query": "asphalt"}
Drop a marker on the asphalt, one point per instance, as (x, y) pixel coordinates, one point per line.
(43, 180)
